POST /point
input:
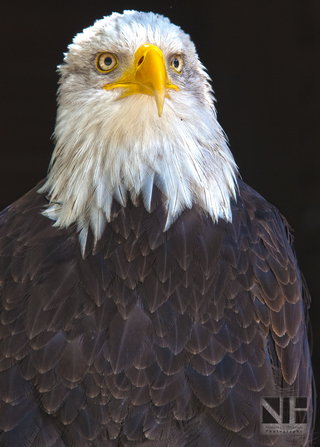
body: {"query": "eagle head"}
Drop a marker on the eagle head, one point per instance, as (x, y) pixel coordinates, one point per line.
(135, 110)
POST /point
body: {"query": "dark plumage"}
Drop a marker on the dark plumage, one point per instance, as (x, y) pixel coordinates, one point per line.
(173, 336)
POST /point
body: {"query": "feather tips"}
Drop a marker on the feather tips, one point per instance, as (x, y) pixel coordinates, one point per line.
(153, 328)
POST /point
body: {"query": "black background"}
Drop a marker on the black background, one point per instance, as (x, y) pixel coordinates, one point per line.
(264, 61)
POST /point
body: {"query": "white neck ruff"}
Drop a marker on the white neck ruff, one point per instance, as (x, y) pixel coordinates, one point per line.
(101, 154)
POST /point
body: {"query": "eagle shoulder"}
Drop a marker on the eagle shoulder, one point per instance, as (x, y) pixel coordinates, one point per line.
(150, 327)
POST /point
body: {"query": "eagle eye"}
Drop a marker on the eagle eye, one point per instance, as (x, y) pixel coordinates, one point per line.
(177, 63)
(106, 62)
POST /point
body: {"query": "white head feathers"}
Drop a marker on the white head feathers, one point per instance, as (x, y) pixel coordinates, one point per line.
(106, 146)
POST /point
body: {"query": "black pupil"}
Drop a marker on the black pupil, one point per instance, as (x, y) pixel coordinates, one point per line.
(176, 63)
(108, 60)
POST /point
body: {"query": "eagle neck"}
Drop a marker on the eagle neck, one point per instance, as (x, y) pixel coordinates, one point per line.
(188, 161)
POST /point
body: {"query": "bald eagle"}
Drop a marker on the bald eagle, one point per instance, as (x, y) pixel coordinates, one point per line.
(149, 297)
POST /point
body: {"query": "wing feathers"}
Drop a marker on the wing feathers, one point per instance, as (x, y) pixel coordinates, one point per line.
(151, 338)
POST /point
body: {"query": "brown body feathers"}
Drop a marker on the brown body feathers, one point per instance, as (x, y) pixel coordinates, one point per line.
(153, 338)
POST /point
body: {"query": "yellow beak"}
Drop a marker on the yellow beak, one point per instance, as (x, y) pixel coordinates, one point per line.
(147, 76)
